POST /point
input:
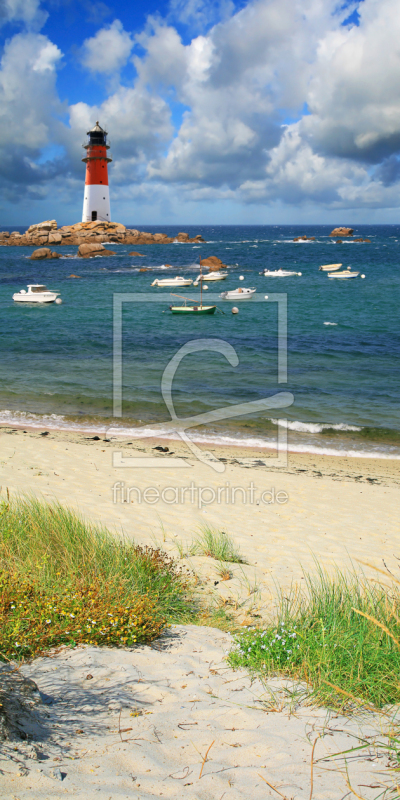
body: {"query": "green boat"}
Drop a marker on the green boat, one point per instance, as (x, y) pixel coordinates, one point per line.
(193, 309)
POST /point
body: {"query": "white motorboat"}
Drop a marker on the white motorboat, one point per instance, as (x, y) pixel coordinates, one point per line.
(346, 273)
(211, 276)
(37, 293)
(330, 267)
(238, 294)
(177, 282)
(279, 273)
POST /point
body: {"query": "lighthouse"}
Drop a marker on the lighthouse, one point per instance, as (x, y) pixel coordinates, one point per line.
(96, 198)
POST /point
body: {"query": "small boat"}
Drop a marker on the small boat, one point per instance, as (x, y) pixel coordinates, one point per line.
(279, 273)
(37, 293)
(196, 308)
(192, 309)
(346, 273)
(211, 276)
(178, 281)
(238, 294)
(330, 267)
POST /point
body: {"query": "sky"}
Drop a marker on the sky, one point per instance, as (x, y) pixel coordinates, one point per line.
(218, 112)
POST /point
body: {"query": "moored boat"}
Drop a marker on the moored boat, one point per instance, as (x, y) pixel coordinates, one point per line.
(211, 276)
(193, 309)
(345, 274)
(279, 273)
(329, 267)
(238, 294)
(37, 293)
(168, 282)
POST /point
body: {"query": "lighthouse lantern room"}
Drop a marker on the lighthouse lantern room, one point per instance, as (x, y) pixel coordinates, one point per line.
(96, 199)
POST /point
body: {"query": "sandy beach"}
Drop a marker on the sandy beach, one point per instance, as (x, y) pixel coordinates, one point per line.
(138, 723)
(332, 509)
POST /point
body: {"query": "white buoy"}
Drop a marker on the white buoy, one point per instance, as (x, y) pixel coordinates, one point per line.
(300, 273)
(241, 277)
(196, 283)
(205, 287)
(363, 276)
(58, 301)
(235, 310)
(266, 297)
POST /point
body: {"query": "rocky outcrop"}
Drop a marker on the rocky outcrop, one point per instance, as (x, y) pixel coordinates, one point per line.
(44, 252)
(304, 239)
(136, 254)
(365, 241)
(213, 263)
(89, 232)
(92, 250)
(342, 232)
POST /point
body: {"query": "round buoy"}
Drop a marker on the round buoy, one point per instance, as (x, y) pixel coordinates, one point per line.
(300, 273)
(205, 287)
(266, 297)
(235, 310)
(58, 301)
(363, 276)
(241, 277)
(196, 283)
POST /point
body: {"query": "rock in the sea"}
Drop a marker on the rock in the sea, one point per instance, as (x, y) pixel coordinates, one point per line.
(74, 276)
(95, 232)
(304, 239)
(136, 254)
(342, 232)
(92, 250)
(213, 263)
(44, 252)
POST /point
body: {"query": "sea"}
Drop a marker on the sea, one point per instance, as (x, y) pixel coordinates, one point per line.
(95, 362)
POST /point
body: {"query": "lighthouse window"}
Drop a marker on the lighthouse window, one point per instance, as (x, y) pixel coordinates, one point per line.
(94, 216)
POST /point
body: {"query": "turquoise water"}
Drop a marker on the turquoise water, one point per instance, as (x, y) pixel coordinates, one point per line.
(57, 368)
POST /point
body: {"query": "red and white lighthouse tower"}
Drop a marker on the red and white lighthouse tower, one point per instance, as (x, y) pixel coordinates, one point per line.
(96, 199)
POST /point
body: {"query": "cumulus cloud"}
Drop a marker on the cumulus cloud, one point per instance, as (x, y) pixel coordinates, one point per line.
(200, 15)
(108, 50)
(353, 93)
(27, 11)
(28, 100)
(235, 81)
(271, 60)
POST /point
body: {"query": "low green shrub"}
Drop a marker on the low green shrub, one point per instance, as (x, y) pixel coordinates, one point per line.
(64, 581)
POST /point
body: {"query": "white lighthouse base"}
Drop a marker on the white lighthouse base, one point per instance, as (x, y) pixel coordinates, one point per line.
(96, 203)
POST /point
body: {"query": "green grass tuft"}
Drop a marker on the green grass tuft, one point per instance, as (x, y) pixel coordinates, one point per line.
(216, 544)
(64, 581)
(347, 658)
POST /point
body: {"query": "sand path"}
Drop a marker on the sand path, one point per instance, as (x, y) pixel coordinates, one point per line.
(137, 724)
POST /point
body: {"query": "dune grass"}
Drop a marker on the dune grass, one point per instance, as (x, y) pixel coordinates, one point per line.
(216, 544)
(340, 634)
(64, 581)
